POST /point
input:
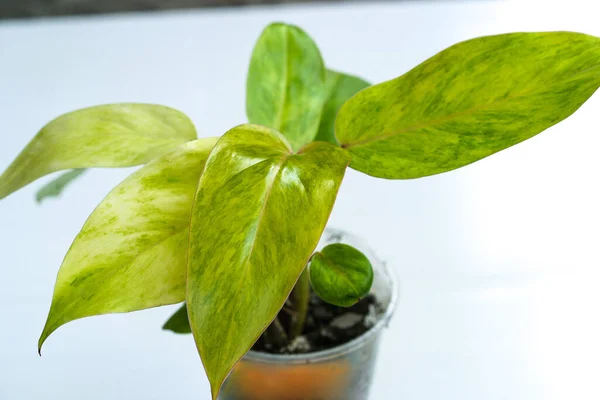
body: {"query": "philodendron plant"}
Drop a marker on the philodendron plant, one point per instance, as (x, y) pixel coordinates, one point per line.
(229, 224)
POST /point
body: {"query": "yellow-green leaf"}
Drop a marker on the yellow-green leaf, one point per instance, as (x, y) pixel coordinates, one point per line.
(131, 252)
(55, 187)
(340, 274)
(114, 135)
(259, 213)
(286, 83)
(469, 101)
(339, 88)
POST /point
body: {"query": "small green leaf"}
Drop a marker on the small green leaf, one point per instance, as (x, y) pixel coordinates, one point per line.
(55, 187)
(114, 135)
(259, 213)
(131, 252)
(179, 322)
(340, 274)
(469, 101)
(286, 83)
(340, 87)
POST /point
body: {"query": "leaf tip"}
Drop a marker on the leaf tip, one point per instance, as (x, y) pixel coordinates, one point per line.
(216, 380)
(46, 332)
(40, 344)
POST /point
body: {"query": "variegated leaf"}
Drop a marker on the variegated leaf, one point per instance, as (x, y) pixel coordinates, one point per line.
(286, 83)
(131, 253)
(114, 135)
(469, 101)
(258, 216)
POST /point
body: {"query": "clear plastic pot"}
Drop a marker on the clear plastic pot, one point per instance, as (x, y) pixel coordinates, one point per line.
(340, 373)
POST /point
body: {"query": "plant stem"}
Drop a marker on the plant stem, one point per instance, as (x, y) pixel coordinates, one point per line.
(277, 334)
(300, 295)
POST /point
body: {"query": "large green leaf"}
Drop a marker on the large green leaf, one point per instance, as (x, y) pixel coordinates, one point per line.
(131, 252)
(340, 274)
(114, 135)
(468, 102)
(55, 187)
(259, 213)
(286, 83)
(339, 88)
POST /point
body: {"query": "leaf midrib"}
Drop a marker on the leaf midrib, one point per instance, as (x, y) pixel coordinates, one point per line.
(262, 211)
(286, 74)
(340, 271)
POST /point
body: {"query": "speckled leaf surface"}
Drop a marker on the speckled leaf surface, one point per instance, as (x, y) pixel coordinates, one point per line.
(339, 88)
(55, 187)
(467, 102)
(340, 274)
(178, 322)
(114, 135)
(259, 213)
(286, 83)
(131, 252)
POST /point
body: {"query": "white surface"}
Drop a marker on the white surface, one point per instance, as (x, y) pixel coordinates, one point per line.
(498, 261)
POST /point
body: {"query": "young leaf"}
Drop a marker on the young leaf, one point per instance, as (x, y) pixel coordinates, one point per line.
(131, 252)
(55, 187)
(258, 215)
(340, 274)
(339, 88)
(286, 83)
(179, 322)
(114, 135)
(469, 101)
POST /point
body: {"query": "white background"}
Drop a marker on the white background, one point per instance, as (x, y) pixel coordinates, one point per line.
(498, 261)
